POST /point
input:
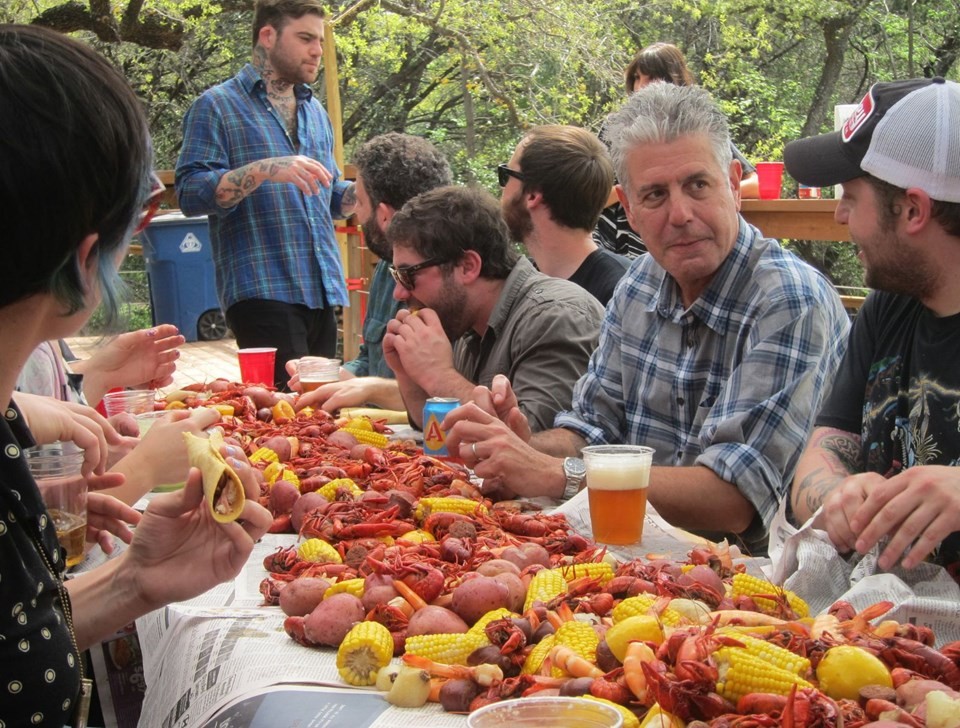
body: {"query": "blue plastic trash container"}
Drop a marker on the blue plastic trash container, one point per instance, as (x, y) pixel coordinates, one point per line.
(179, 266)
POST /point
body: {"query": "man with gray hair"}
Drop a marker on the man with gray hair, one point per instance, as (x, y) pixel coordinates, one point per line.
(715, 350)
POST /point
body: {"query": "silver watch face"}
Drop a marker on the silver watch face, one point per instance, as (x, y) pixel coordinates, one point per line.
(574, 468)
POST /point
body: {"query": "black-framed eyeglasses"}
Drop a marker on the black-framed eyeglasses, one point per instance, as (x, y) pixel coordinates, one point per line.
(152, 205)
(404, 274)
(504, 173)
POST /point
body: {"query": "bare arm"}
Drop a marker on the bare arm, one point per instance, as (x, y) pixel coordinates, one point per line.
(831, 456)
(697, 498)
(307, 174)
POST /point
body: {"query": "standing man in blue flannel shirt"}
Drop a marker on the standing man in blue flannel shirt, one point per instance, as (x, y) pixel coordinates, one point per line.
(257, 158)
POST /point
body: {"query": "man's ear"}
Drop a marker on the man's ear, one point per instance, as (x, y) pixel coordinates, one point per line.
(267, 37)
(917, 210)
(383, 215)
(470, 266)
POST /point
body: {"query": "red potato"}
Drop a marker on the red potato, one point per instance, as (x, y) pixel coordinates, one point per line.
(342, 439)
(526, 554)
(280, 445)
(497, 566)
(301, 596)
(332, 618)
(914, 692)
(261, 396)
(283, 497)
(435, 620)
(377, 589)
(475, 597)
(306, 503)
(517, 591)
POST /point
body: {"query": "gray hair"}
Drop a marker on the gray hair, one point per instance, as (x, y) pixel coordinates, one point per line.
(661, 113)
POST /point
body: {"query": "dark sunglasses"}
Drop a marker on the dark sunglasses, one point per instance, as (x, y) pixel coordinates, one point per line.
(504, 173)
(152, 205)
(404, 274)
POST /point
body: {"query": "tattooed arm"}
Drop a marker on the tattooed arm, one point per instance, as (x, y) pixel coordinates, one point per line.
(306, 173)
(830, 457)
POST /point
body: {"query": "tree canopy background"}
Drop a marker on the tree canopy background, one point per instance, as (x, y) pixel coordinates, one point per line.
(472, 75)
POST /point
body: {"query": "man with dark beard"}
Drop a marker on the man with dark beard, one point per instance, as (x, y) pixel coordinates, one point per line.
(882, 461)
(477, 309)
(554, 187)
(257, 158)
(391, 169)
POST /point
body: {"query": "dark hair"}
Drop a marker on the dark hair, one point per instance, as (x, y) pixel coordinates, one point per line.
(660, 62)
(447, 221)
(396, 167)
(74, 160)
(278, 12)
(947, 214)
(573, 171)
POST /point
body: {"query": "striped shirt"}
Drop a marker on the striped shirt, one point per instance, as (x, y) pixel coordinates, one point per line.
(276, 244)
(732, 383)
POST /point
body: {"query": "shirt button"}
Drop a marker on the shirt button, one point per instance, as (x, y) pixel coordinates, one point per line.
(10, 414)
(12, 451)
(680, 400)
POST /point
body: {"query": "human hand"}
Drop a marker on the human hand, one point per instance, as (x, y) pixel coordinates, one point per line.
(143, 359)
(108, 517)
(306, 173)
(501, 402)
(916, 508)
(353, 392)
(293, 371)
(180, 551)
(839, 507)
(51, 420)
(422, 346)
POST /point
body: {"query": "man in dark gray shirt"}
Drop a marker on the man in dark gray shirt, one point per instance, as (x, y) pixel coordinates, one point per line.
(477, 308)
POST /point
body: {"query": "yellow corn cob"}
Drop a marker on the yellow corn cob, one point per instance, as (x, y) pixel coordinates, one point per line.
(272, 471)
(358, 423)
(367, 647)
(581, 638)
(288, 475)
(741, 673)
(629, 719)
(481, 624)
(774, 654)
(536, 656)
(368, 437)
(751, 586)
(544, 586)
(451, 649)
(464, 506)
(643, 604)
(329, 491)
(602, 571)
(417, 535)
(350, 586)
(319, 552)
(264, 454)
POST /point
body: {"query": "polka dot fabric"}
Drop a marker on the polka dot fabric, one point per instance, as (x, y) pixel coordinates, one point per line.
(39, 669)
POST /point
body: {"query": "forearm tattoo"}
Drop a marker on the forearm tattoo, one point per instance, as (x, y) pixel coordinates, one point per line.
(239, 183)
(841, 457)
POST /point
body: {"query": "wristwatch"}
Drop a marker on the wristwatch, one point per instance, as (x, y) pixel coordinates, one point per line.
(575, 471)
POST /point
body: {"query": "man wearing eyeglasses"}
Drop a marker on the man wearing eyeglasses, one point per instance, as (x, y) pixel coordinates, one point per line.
(716, 348)
(477, 308)
(554, 187)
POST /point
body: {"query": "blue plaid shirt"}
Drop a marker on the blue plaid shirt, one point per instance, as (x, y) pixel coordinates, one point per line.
(277, 244)
(733, 383)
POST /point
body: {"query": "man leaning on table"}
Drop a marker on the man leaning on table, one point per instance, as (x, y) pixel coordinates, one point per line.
(715, 349)
(883, 458)
(477, 308)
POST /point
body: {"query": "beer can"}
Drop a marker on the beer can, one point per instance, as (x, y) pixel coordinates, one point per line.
(808, 193)
(434, 438)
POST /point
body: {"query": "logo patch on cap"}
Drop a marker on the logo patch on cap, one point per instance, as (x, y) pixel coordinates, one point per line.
(859, 117)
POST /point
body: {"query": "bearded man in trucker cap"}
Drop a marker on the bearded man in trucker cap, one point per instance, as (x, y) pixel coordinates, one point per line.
(883, 457)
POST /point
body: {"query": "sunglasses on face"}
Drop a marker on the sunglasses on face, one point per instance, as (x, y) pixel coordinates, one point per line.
(404, 274)
(152, 205)
(504, 173)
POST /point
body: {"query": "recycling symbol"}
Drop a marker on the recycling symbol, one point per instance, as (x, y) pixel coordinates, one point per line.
(190, 244)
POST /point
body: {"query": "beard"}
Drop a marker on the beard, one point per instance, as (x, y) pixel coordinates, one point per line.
(375, 239)
(517, 217)
(892, 267)
(289, 69)
(451, 308)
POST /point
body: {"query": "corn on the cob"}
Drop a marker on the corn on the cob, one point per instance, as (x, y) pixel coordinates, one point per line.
(367, 647)
(417, 535)
(644, 604)
(464, 506)
(602, 571)
(581, 638)
(481, 624)
(329, 491)
(752, 586)
(740, 673)
(544, 586)
(774, 654)
(319, 552)
(629, 719)
(358, 423)
(264, 454)
(279, 471)
(368, 437)
(536, 656)
(450, 649)
(350, 586)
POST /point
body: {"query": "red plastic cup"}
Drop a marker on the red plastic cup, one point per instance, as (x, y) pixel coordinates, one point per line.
(770, 177)
(256, 365)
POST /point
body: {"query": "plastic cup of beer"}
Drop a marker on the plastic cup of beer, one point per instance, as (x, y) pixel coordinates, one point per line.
(56, 470)
(315, 371)
(132, 401)
(257, 365)
(617, 480)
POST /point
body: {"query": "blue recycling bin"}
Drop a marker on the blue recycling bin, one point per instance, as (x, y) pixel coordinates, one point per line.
(179, 266)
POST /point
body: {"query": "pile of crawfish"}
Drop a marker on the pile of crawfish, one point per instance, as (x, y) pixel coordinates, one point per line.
(392, 559)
